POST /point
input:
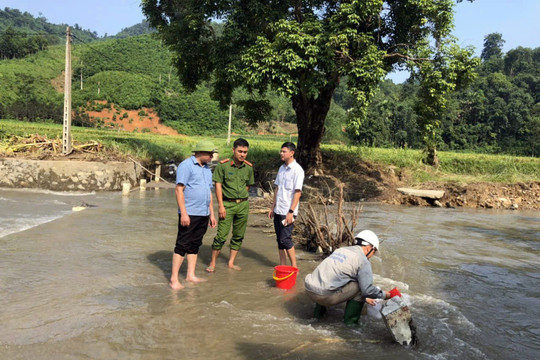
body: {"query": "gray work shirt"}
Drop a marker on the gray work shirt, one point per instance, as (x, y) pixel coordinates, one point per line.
(343, 266)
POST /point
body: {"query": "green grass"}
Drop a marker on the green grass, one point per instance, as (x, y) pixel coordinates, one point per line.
(264, 150)
(454, 167)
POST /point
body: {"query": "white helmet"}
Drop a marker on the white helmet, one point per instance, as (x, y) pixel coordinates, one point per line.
(367, 237)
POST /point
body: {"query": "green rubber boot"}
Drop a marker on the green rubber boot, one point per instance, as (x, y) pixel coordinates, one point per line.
(319, 311)
(352, 312)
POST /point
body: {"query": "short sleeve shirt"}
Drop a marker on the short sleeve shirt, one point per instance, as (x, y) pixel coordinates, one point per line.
(234, 179)
(197, 180)
(289, 179)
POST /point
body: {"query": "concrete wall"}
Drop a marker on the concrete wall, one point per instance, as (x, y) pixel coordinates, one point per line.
(67, 175)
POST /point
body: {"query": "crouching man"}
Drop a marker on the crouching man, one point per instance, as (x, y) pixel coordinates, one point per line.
(346, 276)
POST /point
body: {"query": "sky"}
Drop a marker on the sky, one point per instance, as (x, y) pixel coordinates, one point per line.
(516, 20)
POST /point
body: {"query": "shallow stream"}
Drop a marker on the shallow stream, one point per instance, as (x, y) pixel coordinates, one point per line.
(93, 285)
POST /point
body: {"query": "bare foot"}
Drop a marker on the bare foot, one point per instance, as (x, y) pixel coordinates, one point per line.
(175, 285)
(195, 279)
(211, 268)
(235, 267)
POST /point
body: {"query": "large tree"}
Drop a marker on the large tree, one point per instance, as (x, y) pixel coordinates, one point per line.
(300, 48)
(493, 44)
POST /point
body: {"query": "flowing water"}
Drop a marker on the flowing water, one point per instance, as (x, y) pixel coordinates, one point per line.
(93, 285)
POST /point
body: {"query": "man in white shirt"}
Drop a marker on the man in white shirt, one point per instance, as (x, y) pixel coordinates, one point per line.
(287, 193)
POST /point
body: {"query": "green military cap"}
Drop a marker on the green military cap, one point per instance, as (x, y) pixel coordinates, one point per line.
(205, 146)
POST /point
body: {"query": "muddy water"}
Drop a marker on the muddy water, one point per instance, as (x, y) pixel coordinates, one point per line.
(93, 285)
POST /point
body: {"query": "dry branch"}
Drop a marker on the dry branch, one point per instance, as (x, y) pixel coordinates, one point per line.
(317, 226)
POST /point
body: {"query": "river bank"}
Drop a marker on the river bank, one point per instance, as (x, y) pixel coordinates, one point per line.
(88, 172)
(369, 174)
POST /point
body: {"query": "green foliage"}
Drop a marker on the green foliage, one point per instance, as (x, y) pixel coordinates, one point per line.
(141, 28)
(16, 44)
(26, 90)
(493, 44)
(451, 68)
(498, 113)
(118, 87)
(194, 114)
(25, 22)
(301, 51)
(334, 125)
(391, 118)
(141, 55)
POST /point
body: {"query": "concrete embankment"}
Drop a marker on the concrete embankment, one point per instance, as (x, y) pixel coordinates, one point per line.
(67, 175)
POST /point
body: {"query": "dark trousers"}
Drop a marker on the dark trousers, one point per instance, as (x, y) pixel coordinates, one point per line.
(283, 233)
(189, 238)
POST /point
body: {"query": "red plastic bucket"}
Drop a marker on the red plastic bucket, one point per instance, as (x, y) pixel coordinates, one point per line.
(285, 276)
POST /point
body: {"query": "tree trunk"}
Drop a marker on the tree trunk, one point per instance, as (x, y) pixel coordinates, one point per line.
(310, 117)
(432, 158)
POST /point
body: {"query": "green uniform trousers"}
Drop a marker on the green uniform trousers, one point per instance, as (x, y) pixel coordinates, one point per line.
(237, 215)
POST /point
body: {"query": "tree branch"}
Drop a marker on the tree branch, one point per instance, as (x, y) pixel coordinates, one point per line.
(406, 57)
(298, 11)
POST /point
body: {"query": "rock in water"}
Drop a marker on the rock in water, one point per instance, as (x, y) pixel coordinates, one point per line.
(83, 206)
(398, 320)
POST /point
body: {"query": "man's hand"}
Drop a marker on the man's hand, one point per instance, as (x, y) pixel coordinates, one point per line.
(371, 301)
(271, 213)
(222, 212)
(184, 219)
(289, 219)
(213, 221)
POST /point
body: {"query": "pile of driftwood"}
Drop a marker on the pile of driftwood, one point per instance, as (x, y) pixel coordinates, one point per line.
(37, 144)
(326, 232)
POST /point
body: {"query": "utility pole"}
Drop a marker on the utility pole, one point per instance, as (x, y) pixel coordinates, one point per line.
(229, 131)
(66, 137)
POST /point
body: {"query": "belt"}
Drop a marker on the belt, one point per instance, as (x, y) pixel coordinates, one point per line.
(235, 200)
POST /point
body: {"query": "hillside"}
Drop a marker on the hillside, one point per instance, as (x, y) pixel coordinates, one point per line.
(497, 114)
(141, 28)
(131, 73)
(26, 22)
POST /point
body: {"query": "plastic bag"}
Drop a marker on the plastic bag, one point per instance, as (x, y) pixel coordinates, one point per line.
(374, 312)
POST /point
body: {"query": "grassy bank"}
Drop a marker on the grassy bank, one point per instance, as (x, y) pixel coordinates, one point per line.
(455, 167)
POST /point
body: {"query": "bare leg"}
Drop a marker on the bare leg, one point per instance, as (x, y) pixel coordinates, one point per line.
(282, 257)
(292, 256)
(176, 263)
(231, 260)
(191, 262)
(212, 266)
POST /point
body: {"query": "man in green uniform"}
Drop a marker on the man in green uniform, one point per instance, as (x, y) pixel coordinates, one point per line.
(232, 178)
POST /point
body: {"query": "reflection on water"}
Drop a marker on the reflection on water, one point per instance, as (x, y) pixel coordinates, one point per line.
(93, 284)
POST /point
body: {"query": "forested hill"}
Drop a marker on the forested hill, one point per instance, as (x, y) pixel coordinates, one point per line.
(132, 73)
(26, 23)
(135, 30)
(498, 113)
